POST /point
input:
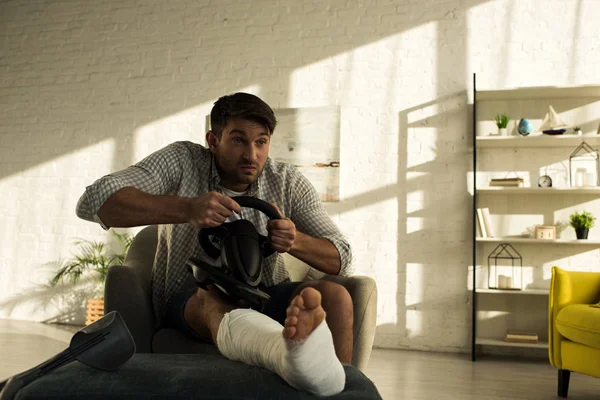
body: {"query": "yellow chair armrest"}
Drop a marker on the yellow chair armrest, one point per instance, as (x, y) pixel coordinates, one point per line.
(568, 287)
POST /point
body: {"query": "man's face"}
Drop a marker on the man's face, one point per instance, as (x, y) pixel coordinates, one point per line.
(240, 153)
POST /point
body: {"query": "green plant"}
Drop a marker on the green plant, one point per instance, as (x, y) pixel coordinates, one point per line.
(501, 120)
(92, 257)
(582, 220)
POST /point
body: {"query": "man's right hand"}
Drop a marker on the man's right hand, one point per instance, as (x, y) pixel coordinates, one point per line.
(211, 210)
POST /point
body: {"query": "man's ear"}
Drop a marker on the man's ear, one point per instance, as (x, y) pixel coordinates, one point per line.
(212, 141)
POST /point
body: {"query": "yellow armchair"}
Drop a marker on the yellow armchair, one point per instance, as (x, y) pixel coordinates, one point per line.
(574, 325)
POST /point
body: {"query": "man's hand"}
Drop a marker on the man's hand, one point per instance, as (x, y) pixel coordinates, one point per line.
(282, 232)
(211, 209)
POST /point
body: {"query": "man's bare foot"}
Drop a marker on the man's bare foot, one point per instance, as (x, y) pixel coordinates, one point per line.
(303, 315)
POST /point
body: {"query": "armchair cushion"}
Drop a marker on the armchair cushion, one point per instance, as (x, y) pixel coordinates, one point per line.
(580, 323)
(181, 376)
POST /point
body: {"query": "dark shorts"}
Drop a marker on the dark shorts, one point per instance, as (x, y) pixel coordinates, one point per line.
(280, 297)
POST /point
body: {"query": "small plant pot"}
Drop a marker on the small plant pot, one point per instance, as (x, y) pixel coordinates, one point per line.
(95, 310)
(502, 131)
(581, 233)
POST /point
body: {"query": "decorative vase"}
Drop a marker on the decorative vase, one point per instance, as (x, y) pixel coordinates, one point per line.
(525, 127)
(582, 233)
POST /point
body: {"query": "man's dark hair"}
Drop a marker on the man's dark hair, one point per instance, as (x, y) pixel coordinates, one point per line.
(241, 105)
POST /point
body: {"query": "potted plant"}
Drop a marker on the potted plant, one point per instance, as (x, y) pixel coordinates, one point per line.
(582, 222)
(502, 122)
(92, 259)
(577, 130)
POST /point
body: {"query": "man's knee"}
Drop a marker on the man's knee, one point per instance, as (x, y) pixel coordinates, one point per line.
(335, 297)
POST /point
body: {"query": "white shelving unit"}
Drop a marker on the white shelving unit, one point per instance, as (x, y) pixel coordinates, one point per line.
(581, 105)
(542, 292)
(539, 190)
(576, 242)
(536, 140)
(502, 343)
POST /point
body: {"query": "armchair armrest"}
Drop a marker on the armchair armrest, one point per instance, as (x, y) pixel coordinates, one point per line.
(568, 287)
(124, 292)
(363, 291)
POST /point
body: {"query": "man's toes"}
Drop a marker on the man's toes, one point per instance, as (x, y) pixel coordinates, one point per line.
(311, 298)
(298, 301)
(292, 311)
(288, 332)
(291, 321)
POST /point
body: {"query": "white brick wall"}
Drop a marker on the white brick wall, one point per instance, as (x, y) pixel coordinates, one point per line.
(90, 87)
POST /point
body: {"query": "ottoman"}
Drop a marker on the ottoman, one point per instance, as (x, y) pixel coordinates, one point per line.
(181, 376)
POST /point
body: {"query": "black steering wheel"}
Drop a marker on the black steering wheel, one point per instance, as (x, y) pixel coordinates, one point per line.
(220, 231)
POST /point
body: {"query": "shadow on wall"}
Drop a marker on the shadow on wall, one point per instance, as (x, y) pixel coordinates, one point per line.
(131, 68)
(105, 73)
(66, 304)
(434, 240)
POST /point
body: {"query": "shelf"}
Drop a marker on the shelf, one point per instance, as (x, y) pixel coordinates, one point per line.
(539, 140)
(578, 242)
(538, 190)
(537, 93)
(541, 292)
(502, 343)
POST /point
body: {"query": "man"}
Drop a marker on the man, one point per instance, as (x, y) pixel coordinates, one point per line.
(185, 187)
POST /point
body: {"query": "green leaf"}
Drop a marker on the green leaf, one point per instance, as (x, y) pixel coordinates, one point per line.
(583, 219)
(91, 258)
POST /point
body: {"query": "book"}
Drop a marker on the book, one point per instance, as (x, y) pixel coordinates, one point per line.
(521, 337)
(481, 223)
(514, 182)
(507, 184)
(506, 179)
(477, 226)
(487, 221)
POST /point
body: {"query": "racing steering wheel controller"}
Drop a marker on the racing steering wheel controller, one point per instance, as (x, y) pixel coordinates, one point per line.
(242, 250)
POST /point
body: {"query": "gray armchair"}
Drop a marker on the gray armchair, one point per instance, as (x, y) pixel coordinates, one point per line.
(127, 290)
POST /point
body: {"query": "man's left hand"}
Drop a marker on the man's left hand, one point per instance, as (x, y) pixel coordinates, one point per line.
(282, 232)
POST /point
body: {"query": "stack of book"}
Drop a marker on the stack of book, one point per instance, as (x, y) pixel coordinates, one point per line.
(507, 182)
(484, 223)
(520, 337)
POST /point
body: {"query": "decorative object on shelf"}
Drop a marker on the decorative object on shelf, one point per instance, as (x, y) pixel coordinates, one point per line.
(547, 232)
(552, 123)
(582, 222)
(506, 277)
(583, 161)
(545, 181)
(502, 122)
(521, 337)
(517, 181)
(525, 127)
(507, 182)
(577, 131)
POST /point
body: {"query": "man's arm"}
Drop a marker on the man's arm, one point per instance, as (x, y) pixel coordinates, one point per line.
(139, 195)
(309, 234)
(132, 207)
(317, 252)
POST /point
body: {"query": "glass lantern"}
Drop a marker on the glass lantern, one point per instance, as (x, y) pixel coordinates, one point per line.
(505, 268)
(583, 166)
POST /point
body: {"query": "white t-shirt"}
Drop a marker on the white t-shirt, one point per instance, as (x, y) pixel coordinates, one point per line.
(231, 193)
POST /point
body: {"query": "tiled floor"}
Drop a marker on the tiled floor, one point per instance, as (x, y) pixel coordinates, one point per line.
(397, 374)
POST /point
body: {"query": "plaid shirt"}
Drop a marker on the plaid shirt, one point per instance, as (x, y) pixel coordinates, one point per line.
(187, 169)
